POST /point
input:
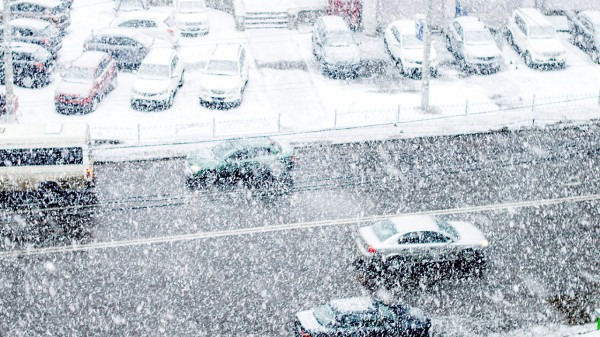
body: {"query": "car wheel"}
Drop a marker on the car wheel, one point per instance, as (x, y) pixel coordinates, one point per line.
(448, 44)
(528, 60)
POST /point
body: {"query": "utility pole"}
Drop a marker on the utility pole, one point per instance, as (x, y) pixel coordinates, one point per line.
(8, 66)
(425, 71)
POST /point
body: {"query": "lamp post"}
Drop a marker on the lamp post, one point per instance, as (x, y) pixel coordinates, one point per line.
(425, 71)
(8, 66)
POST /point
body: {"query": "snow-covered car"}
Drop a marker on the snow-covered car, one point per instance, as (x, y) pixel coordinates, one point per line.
(473, 45)
(157, 80)
(361, 316)
(85, 83)
(160, 25)
(334, 47)
(127, 46)
(32, 65)
(53, 11)
(585, 33)
(421, 239)
(403, 46)
(124, 6)
(534, 37)
(35, 31)
(192, 17)
(259, 162)
(225, 76)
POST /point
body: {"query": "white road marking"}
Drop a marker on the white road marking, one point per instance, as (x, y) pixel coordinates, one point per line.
(285, 227)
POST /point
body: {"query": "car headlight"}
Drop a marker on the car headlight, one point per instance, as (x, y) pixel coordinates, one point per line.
(484, 243)
(195, 168)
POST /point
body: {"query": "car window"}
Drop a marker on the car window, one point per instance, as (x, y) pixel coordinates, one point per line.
(20, 56)
(125, 41)
(445, 227)
(239, 155)
(521, 24)
(396, 34)
(147, 24)
(433, 237)
(410, 238)
(23, 32)
(262, 152)
(351, 321)
(129, 24)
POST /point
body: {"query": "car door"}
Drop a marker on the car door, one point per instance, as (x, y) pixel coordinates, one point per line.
(351, 326)
(423, 246)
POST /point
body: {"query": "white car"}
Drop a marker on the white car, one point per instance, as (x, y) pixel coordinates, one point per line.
(401, 43)
(534, 37)
(157, 80)
(334, 46)
(225, 76)
(420, 239)
(161, 25)
(192, 17)
(473, 45)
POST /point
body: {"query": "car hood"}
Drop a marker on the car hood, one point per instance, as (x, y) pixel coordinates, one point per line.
(221, 82)
(74, 89)
(192, 17)
(202, 158)
(147, 85)
(546, 46)
(345, 53)
(469, 234)
(309, 322)
(417, 54)
(482, 50)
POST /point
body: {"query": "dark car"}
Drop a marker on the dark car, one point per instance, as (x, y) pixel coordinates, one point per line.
(361, 316)
(85, 83)
(55, 12)
(35, 31)
(3, 106)
(32, 65)
(585, 31)
(127, 46)
(254, 163)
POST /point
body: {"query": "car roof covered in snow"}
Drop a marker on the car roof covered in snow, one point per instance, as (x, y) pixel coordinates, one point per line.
(534, 16)
(334, 23)
(89, 59)
(144, 14)
(593, 16)
(352, 304)
(25, 47)
(405, 26)
(411, 223)
(44, 3)
(128, 32)
(30, 23)
(160, 56)
(470, 23)
(226, 51)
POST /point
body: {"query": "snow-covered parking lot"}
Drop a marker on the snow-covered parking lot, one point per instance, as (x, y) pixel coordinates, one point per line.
(288, 93)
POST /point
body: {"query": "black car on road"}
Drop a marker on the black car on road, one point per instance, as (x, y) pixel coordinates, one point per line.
(361, 316)
(32, 65)
(35, 31)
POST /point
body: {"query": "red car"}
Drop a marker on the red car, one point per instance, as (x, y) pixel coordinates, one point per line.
(86, 82)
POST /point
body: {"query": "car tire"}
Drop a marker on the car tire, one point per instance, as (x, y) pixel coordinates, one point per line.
(528, 61)
(448, 44)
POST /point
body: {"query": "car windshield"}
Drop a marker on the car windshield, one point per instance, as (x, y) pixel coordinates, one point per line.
(324, 315)
(479, 37)
(411, 42)
(447, 228)
(339, 39)
(542, 32)
(224, 148)
(79, 75)
(384, 229)
(221, 67)
(191, 7)
(154, 71)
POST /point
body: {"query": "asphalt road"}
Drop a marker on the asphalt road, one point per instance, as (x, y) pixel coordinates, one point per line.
(252, 284)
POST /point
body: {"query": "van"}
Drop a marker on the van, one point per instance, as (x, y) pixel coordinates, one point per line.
(534, 38)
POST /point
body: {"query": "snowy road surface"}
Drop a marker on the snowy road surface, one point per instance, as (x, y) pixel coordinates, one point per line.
(252, 284)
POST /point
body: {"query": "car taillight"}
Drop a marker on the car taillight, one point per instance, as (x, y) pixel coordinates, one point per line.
(88, 172)
(39, 65)
(371, 249)
(45, 41)
(170, 31)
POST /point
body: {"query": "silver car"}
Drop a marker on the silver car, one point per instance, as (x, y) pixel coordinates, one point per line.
(419, 239)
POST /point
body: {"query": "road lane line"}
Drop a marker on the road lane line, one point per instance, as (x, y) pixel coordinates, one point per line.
(285, 227)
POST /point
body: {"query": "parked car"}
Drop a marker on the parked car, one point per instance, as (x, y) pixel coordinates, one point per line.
(406, 241)
(160, 25)
(158, 80)
(54, 11)
(401, 43)
(35, 31)
(361, 316)
(334, 46)
(124, 6)
(254, 163)
(192, 17)
(473, 45)
(85, 83)
(534, 37)
(225, 76)
(127, 46)
(32, 65)
(585, 33)
(3, 103)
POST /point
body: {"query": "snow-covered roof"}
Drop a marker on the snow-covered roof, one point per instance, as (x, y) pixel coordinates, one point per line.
(30, 23)
(533, 15)
(226, 51)
(160, 56)
(352, 304)
(128, 32)
(334, 22)
(593, 16)
(411, 223)
(89, 59)
(405, 26)
(45, 3)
